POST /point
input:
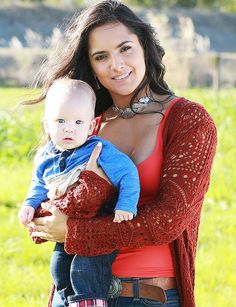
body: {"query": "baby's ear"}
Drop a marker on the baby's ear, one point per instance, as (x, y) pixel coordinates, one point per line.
(92, 126)
(45, 125)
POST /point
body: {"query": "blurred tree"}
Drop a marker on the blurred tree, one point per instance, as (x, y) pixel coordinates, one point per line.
(36, 1)
(187, 3)
(227, 5)
(164, 3)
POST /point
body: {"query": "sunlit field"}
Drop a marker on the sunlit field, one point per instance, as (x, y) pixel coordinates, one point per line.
(25, 278)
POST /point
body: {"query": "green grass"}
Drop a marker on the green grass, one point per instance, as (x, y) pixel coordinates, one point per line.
(216, 257)
(25, 279)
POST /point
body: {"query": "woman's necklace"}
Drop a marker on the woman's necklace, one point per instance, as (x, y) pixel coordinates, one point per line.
(137, 107)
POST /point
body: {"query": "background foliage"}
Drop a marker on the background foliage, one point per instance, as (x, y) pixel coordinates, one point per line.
(211, 4)
(25, 279)
(228, 5)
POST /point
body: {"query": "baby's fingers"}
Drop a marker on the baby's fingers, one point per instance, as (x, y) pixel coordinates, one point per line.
(122, 216)
(30, 216)
(26, 215)
(130, 216)
(117, 219)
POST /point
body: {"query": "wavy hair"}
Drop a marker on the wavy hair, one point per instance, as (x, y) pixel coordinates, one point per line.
(71, 57)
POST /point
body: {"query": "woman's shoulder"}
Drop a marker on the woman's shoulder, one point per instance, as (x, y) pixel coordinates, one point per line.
(186, 118)
(186, 110)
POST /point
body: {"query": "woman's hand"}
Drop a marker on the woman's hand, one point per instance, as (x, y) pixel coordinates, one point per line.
(92, 162)
(50, 228)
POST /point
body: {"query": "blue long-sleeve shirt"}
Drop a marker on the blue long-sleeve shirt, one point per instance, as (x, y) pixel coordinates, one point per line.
(118, 167)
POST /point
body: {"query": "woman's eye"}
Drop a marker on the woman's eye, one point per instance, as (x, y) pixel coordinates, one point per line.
(78, 122)
(125, 48)
(100, 57)
(60, 121)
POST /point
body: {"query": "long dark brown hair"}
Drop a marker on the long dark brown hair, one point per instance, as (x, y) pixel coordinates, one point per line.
(71, 57)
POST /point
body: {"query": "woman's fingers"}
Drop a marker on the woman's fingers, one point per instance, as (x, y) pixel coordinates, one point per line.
(50, 208)
(50, 228)
(40, 221)
(46, 236)
(38, 228)
(92, 162)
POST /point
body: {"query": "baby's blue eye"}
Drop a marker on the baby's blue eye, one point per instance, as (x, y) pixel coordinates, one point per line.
(60, 121)
(78, 122)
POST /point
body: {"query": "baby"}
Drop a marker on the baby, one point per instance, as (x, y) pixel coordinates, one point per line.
(59, 166)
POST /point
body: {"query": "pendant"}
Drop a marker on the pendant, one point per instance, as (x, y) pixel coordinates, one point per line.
(126, 113)
(136, 108)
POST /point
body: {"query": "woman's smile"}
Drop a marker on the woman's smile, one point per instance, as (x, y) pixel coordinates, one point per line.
(122, 77)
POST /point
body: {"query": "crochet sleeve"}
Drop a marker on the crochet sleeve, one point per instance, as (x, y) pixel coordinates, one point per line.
(189, 149)
(86, 198)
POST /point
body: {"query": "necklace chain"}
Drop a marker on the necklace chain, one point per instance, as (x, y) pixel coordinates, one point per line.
(137, 107)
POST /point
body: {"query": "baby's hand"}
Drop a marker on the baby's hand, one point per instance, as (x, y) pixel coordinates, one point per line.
(26, 215)
(121, 215)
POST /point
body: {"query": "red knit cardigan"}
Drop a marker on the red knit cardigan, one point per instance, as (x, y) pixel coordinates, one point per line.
(189, 140)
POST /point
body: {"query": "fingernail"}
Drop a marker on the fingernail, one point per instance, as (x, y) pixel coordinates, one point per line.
(99, 144)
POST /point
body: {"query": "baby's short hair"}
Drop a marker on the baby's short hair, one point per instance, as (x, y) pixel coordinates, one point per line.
(67, 84)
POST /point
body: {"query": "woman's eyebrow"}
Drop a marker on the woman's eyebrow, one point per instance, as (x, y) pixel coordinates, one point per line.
(118, 46)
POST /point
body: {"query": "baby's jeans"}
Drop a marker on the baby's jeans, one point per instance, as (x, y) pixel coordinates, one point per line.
(79, 278)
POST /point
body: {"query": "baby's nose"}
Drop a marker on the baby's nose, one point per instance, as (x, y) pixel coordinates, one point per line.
(68, 128)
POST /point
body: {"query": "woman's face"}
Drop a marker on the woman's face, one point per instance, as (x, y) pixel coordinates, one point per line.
(117, 59)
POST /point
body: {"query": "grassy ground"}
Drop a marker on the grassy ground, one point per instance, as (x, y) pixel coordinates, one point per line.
(25, 279)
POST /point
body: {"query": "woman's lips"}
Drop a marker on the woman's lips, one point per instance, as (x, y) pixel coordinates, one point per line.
(121, 77)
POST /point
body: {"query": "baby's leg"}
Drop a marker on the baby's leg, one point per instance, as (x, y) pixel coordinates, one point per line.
(91, 279)
(60, 271)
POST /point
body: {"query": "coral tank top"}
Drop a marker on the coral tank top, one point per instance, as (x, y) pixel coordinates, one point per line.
(148, 261)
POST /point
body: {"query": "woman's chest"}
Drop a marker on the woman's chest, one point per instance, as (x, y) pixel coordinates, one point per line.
(136, 137)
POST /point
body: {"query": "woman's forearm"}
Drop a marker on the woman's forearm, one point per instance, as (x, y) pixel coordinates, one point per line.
(86, 198)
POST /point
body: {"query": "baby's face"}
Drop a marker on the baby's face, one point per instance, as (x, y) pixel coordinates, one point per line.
(69, 118)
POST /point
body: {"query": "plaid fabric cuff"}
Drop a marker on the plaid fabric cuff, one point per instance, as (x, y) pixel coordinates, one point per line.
(90, 303)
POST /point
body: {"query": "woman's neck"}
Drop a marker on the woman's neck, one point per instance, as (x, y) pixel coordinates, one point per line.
(123, 101)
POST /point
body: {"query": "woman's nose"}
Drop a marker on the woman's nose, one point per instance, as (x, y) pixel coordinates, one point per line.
(117, 63)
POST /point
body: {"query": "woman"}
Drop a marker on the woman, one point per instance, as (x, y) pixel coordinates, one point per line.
(170, 139)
